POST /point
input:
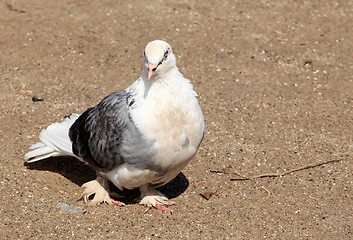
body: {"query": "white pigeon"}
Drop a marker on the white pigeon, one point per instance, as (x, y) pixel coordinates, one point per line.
(140, 137)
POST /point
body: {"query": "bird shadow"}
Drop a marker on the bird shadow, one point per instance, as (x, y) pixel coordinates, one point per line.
(80, 173)
(69, 167)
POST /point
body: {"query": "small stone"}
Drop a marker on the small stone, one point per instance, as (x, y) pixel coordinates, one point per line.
(70, 208)
(37, 99)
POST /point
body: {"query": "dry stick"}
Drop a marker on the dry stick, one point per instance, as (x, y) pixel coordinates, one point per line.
(311, 165)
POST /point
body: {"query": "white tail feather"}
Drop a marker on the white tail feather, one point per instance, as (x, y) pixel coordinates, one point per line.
(55, 141)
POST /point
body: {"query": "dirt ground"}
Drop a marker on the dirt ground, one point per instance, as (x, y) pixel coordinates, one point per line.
(275, 81)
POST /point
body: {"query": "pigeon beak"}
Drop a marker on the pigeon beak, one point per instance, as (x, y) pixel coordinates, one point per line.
(151, 70)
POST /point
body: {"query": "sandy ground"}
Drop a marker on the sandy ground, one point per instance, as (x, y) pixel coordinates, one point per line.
(275, 84)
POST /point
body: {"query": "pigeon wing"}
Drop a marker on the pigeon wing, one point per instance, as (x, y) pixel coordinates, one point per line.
(98, 133)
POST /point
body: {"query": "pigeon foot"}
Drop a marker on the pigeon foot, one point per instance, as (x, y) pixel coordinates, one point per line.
(100, 189)
(151, 198)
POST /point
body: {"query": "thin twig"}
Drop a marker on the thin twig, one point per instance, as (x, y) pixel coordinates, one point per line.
(339, 153)
(311, 165)
(242, 176)
(223, 171)
(282, 39)
(268, 192)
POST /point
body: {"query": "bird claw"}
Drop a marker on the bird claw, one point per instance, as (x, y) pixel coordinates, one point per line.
(117, 203)
(159, 207)
(98, 188)
(157, 202)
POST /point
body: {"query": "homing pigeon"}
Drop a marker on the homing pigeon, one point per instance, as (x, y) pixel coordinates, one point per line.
(140, 137)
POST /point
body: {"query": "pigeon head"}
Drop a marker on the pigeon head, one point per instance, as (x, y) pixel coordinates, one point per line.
(158, 58)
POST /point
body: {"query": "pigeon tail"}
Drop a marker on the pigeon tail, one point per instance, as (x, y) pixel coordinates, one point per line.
(55, 141)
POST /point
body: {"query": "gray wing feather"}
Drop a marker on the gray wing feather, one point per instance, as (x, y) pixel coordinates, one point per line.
(105, 136)
(97, 134)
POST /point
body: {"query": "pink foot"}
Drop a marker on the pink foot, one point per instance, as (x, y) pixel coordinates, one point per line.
(117, 203)
(151, 198)
(161, 207)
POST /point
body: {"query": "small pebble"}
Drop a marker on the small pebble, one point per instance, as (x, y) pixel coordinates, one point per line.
(37, 99)
(70, 208)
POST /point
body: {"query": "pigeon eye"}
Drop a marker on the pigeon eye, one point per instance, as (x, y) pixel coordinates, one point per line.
(164, 58)
(166, 54)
